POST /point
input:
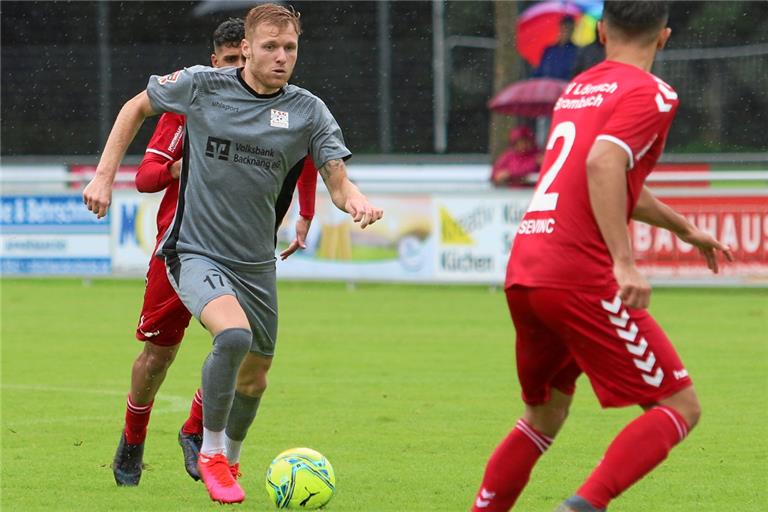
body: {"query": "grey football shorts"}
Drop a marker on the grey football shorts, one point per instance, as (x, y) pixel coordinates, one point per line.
(200, 280)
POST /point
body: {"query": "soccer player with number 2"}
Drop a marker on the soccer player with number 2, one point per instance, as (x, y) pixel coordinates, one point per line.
(576, 298)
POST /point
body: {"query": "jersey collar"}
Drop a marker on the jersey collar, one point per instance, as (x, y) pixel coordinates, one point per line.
(254, 93)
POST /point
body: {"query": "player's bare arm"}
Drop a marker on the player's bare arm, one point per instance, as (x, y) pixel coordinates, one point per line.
(97, 195)
(652, 211)
(607, 183)
(346, 196)
(300, 242)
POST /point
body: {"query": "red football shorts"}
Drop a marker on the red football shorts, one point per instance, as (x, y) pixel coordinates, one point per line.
(560, 333)
(164, 318)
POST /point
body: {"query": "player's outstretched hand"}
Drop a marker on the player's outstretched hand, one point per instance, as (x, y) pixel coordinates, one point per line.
(300, 242)
(634, 289)
(708, 247)
(97, 195)
(362, 211)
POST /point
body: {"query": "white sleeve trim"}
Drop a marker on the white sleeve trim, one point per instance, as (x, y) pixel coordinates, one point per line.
(158, 152)
(623, 145)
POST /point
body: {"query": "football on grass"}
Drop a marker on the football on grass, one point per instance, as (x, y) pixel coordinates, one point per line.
(300, 478)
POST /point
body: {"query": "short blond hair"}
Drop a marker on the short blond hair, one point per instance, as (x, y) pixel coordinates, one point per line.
(274, 15)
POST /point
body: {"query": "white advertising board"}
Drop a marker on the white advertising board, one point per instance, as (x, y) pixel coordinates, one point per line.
(400, 247)
(423, 237)
(475, 234)
(52, 234)
(133, 230)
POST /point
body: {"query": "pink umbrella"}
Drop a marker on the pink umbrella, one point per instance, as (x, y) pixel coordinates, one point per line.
(530, 98)
(539, 27)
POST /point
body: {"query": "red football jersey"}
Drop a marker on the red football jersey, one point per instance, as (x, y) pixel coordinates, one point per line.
(558, 243)
(165, 147)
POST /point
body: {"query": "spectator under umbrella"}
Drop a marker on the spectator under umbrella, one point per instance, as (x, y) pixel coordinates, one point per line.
(514, 166)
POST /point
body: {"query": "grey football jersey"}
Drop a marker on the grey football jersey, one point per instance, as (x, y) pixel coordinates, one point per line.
(241, 151)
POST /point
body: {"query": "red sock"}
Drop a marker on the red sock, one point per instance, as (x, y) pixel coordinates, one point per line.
(510, 467)
(136, 421)
(639, 448)
(194, 424)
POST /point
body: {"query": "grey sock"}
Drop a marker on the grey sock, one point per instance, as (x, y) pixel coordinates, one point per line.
(241, 415)
(220, 375)
(579, 504)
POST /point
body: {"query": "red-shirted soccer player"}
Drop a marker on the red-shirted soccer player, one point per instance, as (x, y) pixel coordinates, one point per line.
(164, 318)
(576, 298)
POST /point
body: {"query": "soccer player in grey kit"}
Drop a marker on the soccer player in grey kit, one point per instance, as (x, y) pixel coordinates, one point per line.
(248, 132)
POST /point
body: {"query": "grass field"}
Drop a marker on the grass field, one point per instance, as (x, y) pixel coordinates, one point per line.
(406, 389)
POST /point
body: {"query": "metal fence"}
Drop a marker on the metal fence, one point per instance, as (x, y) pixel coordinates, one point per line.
(723, 102)
(67, 67)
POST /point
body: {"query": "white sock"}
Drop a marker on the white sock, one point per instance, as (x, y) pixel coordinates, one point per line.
(233, 450)
(213, 442)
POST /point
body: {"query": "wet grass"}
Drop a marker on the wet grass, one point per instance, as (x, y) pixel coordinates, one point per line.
(406, 389)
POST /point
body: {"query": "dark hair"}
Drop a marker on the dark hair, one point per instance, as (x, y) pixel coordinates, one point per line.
(636, 18)
(567, 21)
(229, 33)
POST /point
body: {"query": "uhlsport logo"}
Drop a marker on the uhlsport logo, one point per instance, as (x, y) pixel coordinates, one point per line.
(217, 148)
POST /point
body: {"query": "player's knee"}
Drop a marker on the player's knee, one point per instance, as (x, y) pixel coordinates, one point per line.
(691, 411)
(233, 343)
(548, 419)
(687, 404)
(156, 359)
(558, 416)
(157, 363)
(252, 378)
(252, 385)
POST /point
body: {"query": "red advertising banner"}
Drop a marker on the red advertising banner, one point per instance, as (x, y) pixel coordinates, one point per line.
(740, 221)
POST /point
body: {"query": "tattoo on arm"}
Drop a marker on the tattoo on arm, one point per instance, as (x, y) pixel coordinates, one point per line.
(330, 168)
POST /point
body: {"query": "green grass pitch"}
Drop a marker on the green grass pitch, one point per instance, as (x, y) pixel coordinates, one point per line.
(406, 389)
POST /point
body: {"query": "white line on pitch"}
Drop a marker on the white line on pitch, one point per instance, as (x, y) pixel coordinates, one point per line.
(172, 403)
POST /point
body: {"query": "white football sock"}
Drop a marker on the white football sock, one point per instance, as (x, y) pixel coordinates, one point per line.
(213, 442)
(233, 450)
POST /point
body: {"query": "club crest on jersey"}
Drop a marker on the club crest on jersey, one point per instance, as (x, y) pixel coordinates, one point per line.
(278, 119)
(169, 79)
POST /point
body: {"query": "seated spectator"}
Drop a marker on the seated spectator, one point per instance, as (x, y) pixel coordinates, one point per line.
(515, 165)
(558, 59)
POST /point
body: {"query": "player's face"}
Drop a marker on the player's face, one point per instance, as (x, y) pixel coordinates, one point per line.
(271, 56)
(228, 56)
